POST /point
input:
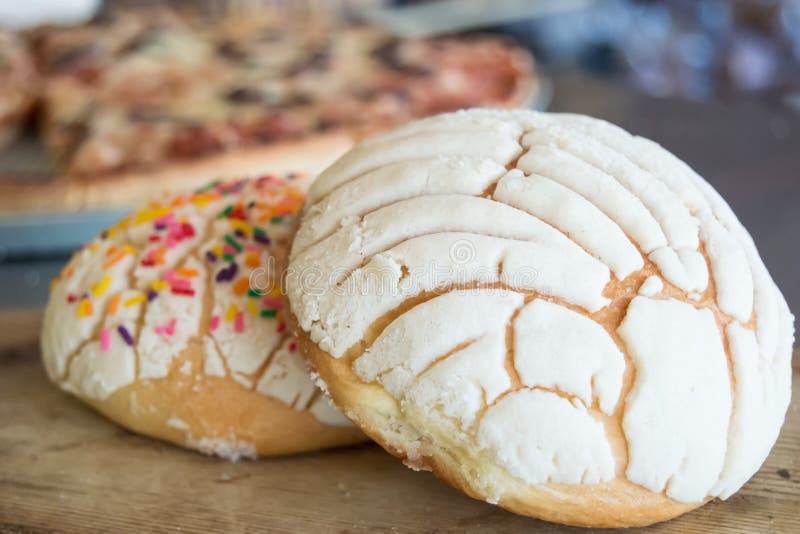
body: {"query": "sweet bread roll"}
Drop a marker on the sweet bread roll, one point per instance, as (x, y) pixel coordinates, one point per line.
(551, 314)
(171, 324)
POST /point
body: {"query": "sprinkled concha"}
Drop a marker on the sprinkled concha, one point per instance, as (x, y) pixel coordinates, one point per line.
(171, 324)
(550, 313)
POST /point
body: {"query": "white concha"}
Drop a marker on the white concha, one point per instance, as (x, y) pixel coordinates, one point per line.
(549, 312)
(171, 323)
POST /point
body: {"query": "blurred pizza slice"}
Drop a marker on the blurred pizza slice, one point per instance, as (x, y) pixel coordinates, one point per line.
(138, 102)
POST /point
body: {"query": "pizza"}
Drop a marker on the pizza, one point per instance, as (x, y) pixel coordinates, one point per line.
(17, 85)
(142, 99)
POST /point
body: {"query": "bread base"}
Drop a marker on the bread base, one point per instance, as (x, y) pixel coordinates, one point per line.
(624, 504)
(217, 415)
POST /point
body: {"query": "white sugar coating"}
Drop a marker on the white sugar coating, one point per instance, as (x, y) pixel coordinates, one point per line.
(676, 415)
(677, 223)
(578, 200)
(212, 360)
(475, 143)
(600, 189)
(683, 268)
(460, 384)
(555, 347)
(177, 423)
(558, 442)
(97, 374)
(379, 286)
(574, 215)
(651, 286)
(325, 412)
(287, 378)
(488, 136)
(65, 332)
(346, 249)
(531, 246)
(137, 297)
(229, 449)
(757, 414)
(155, 356)
(703, 202)
(393, 182)
(404, 350)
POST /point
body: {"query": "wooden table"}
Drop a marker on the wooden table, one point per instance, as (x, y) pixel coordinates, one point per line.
(64, 468)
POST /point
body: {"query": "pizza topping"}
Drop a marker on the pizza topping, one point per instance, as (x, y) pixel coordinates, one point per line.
(194, 86)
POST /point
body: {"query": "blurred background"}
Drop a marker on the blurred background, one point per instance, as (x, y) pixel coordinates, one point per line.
(716, 82)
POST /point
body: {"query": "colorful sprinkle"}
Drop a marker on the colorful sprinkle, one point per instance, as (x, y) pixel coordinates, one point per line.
(226, 274)
(113, 305)
(292, 346)
(214, 322)
(115, 259)
(260, 236)
(187, 273)
(105, 340)
(150, 214)
(251, 259)
(230, 315)
(241, 286)
(210, 256)
(99, 288)
(187, 230)
(281, 328)
(72, 297)
(133, 301)
(232, 242)
(169, 329)
(272, 302)
(270, 314)
(252, 308)
(125, 335)
(158, 285)
(85, 309)
(241, 226)
(151, 295)
(239, 324)
(185, 291)
(253, 293)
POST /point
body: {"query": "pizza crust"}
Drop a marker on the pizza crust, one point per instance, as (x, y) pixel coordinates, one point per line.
(69, 194)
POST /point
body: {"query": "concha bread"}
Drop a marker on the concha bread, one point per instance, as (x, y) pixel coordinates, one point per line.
(550, 313)
(171, 323)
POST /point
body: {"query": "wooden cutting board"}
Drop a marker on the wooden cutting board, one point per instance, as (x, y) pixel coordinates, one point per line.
(64, 468)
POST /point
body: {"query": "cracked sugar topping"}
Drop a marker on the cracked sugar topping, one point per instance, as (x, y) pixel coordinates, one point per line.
(194, 271)
(488, 268)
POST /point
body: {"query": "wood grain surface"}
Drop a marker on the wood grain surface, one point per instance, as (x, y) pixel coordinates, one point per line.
(63, 468)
